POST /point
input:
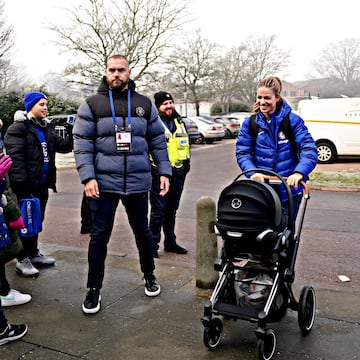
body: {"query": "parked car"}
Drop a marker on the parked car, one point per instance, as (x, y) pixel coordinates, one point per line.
(232, 126)
(209, 130)
(208, 117)
(239, 116)
(192, 130)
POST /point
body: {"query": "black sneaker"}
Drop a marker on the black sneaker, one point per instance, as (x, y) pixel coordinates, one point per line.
(12, 332)
(152, 288)
(177, 249)
(91, 304)
(85, 230)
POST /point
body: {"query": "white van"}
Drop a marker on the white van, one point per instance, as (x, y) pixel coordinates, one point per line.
(334, 125)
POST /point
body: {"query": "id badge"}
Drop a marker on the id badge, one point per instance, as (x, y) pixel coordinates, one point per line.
(123, 140)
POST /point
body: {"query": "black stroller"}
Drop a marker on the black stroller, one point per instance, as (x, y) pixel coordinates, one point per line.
(256, 265)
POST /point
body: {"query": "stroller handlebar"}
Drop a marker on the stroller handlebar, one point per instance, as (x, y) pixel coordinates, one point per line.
(276, 181)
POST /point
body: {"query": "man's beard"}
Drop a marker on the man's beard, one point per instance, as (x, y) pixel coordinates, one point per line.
(121, 86)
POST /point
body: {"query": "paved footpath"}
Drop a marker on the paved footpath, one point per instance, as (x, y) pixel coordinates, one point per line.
(131, 326)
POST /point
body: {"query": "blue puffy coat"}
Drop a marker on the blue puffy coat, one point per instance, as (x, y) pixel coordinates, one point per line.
(95, 150)
(272, 150)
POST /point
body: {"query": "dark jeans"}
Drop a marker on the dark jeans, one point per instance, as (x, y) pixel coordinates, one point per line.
(102, 216)
(296, 205)
(30, 243)
(164, 208)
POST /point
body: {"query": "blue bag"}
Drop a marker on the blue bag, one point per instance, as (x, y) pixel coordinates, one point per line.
(31, 214)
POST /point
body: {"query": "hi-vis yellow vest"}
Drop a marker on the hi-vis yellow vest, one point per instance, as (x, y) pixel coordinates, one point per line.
(177, 144)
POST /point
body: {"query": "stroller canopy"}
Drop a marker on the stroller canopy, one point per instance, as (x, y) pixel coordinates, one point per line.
(249, 205)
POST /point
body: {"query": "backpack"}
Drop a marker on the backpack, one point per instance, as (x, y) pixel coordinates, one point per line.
(285, 127)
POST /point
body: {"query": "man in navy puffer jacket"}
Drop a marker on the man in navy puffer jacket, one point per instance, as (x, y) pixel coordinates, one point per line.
(115, 131)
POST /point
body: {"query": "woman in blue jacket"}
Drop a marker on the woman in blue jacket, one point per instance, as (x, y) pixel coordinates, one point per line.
(272, 148)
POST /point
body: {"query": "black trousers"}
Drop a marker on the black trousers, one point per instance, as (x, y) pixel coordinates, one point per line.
(102, 217)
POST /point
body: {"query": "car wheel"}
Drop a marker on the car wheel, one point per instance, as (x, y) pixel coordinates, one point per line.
(326, 152)
(201, 139)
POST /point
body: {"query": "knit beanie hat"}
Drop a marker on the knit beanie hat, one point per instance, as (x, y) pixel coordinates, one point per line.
(162, 96)
(31, 98)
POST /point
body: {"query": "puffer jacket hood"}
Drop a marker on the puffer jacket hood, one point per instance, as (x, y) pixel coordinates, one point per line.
(20, 115)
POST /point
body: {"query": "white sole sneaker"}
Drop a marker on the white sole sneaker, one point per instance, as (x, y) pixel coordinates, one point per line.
(152, 293)
(14, 298)
(26, 268)
(93, 310)
(13, 333)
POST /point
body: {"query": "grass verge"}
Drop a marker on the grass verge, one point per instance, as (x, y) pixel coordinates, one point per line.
(335, 178)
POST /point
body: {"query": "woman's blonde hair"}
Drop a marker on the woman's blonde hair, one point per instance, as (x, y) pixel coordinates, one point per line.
(271, 82)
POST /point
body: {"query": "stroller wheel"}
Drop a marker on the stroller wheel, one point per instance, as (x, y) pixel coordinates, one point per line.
(213, 334)
(307, 308)
(266, 345)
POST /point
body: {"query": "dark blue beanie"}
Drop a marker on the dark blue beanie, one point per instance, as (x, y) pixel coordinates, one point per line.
(31, 98)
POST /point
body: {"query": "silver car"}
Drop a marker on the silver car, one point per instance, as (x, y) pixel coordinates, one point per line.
(232, 126)
(209, 130)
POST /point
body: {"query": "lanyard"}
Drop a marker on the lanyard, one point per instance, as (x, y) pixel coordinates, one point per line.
(170, 127)
(113, 108)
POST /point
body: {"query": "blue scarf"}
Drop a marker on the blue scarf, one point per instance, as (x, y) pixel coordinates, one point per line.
(43, 142)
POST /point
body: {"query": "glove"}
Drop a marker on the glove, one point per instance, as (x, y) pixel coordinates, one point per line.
(5, 165)
(187, 165)
(17, 224)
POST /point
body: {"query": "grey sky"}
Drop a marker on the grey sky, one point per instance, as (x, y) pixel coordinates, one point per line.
(303, 27)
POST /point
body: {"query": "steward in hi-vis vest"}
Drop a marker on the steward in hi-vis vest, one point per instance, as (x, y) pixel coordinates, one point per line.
(163, 208)
(178, 143)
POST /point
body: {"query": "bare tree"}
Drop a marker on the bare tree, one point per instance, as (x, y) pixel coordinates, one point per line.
(261, 58)
(340, 61)
(137, 29)
(227, 79)
(198, 69)
(234, 75)
(6, 45)
(192, 66)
